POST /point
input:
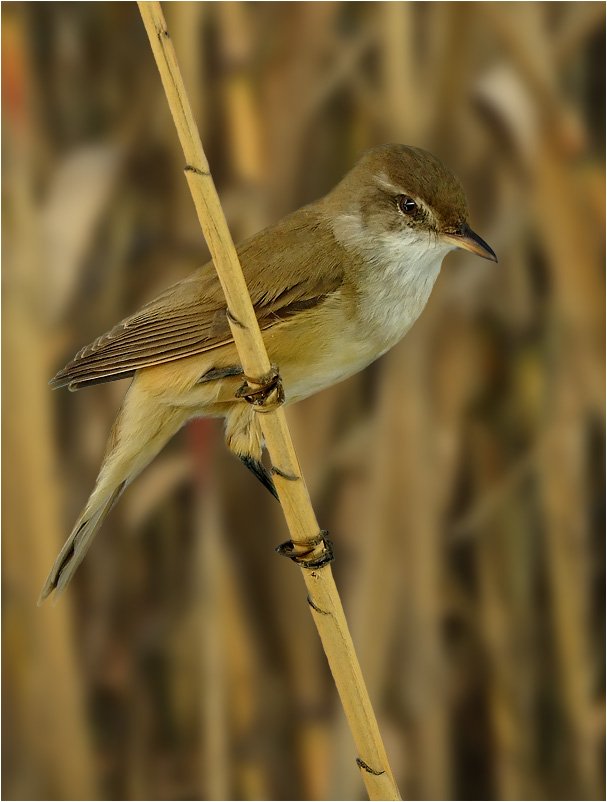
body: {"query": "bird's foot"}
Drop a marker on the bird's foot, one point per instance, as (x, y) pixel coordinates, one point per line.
(313, 553)
(265, 394)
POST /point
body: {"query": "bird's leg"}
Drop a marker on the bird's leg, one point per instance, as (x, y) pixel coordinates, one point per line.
(260, 472)
(245, 440)
(264, 395)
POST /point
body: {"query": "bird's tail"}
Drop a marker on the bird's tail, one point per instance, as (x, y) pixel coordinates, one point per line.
(77, 544)
(140, 431)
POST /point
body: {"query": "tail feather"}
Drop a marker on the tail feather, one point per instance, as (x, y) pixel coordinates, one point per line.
(77, 544)
(142, 428)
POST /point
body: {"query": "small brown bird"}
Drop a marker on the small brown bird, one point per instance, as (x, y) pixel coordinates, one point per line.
(334, 286)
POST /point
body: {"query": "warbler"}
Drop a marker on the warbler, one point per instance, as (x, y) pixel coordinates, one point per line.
(334, 286)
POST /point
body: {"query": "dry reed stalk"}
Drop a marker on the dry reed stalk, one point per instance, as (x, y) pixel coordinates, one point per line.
(423, 679)
(216, 763)
(563, 485)
(296, 67)
(324, 599)
(244, 681)
(32, 530)
(573, 387)
(55, 730)
(506, 612)
(243, 123)
(401, 73)
(49, 744)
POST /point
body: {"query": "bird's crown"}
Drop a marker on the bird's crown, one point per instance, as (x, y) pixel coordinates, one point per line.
(386, 172)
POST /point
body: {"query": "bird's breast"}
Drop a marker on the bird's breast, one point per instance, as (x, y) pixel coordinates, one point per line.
(392, 297)
(343, 335)
(319, 347)
(393, 276)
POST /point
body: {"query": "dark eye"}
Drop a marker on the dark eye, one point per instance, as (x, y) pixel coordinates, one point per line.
(406, 204)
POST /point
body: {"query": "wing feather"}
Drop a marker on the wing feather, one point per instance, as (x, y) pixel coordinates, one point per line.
(190, 317)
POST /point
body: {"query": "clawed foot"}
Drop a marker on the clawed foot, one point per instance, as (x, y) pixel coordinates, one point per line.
(265, 394)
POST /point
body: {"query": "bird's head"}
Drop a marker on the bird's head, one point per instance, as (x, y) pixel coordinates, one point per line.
(403, 198)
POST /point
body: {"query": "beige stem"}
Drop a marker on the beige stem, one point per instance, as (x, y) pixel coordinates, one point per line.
(323, 596)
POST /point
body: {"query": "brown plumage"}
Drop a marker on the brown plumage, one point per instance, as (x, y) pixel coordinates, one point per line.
(198, 322)
(334, 285)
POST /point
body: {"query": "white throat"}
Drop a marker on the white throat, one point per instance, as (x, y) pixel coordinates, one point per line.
(403, 266)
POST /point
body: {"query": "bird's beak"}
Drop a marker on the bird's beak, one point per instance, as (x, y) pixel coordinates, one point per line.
(469, 241)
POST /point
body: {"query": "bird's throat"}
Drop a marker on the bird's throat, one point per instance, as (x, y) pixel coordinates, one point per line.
(395, 278)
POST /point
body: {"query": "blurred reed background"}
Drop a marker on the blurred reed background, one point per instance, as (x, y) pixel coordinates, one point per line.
(461, 476)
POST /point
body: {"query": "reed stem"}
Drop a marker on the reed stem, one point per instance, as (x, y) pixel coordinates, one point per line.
(323, 597)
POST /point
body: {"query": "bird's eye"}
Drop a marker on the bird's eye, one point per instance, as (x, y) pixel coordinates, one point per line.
(406, 204)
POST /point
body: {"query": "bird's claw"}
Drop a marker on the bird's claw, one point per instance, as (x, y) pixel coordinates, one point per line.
(265, 394)
(312, 554)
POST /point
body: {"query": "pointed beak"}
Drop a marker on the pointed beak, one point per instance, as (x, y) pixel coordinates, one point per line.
(467, 239)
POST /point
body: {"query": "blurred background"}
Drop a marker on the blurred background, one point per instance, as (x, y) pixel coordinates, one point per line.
(461, 476)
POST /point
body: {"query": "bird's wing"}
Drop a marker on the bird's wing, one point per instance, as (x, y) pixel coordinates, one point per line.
(190, 317)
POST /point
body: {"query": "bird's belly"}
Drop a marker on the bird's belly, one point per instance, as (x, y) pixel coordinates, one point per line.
(318, 360)
(299, 384)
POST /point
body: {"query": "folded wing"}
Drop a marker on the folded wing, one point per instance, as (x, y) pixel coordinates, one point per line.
(190, 317)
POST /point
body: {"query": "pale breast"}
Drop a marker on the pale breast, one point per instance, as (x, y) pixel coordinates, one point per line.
(392, 298)
(398, 272)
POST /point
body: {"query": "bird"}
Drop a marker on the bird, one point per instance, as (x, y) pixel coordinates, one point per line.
(334, 286)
